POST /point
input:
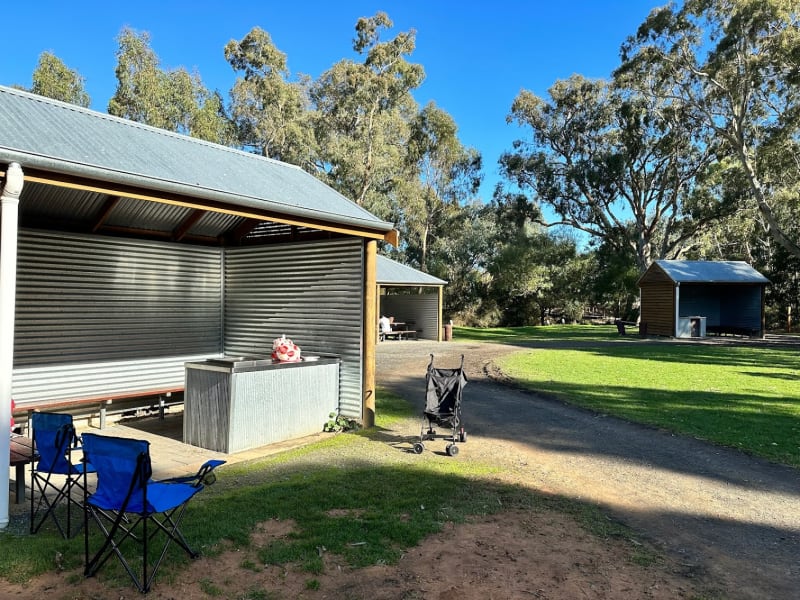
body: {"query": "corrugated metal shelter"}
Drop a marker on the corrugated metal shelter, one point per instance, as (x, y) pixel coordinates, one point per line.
(131, 250)
(684, 298)
(410, 296)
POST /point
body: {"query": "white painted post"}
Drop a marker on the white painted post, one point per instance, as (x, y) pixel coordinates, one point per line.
(9, 218)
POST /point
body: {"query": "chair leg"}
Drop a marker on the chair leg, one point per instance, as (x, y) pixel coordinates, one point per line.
(44, 506)
(122, 529)
(111, 545)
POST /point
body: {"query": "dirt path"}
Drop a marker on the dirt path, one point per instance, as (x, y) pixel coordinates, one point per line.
(727, 518)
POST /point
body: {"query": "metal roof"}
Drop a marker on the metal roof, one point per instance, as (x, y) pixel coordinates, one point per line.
(391, 272)
(710, 271)
(52, 136)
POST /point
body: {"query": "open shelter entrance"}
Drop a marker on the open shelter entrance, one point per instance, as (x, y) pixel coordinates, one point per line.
(127, 252)
(411, 297)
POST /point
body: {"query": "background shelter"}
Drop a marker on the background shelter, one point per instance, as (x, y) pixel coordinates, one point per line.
(128, 251)
(685, 298)
(411, 297)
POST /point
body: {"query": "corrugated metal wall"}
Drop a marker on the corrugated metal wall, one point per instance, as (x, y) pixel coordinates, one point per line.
(419, 311)
(700, 301)
(100, 316)
(108, 316)
(721, 304)
(313, 293)
(235, 402)
(741, 306)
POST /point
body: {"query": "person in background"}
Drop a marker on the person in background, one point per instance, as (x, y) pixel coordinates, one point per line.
(385, 324)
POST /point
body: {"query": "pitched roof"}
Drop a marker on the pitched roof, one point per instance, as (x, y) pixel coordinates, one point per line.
(710, 271)
(391, 272)
(57, 137)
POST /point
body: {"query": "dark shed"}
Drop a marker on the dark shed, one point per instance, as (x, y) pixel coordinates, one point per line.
(692, 298)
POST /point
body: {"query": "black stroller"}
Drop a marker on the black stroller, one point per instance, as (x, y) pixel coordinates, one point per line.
(443, 406)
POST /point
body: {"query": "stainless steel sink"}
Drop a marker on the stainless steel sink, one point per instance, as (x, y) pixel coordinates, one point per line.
(240, 362)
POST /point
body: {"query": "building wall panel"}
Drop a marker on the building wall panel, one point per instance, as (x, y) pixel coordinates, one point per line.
(658, 308)
(310, 292)
(102, 316)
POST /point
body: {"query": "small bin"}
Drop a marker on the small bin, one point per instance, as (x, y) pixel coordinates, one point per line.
(448, 332)
(698, 326)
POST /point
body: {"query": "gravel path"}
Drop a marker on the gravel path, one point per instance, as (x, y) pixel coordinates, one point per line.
(729, 519)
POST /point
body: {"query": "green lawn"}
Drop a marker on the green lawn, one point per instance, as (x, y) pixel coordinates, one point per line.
(744, 396)
(354, 495)
(361, 497)
(567, 333)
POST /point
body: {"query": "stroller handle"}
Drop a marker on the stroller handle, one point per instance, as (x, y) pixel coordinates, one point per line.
(430, 364)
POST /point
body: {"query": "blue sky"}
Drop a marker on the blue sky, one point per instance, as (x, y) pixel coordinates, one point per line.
(477, 55)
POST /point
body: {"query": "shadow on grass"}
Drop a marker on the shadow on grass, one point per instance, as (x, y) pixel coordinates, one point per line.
(371, 514)
(364, 512)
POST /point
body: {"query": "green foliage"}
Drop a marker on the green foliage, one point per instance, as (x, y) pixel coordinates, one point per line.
(612, 282)
(271, 114)
(731, 65)
(53, 79)
(448, 174)
(534, 274)
(610, 161)
(172, 100)
(312, 584)
(210, 589)
(338, 423)
(362, 118)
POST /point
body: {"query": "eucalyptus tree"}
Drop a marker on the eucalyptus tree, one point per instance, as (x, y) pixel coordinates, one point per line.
(53, 79)
(271, 113)
(612, 278)
(449, 176)
(174, 100)
(535, 273)
(733, 66)
(362, 116)
(210, 121)
(609, 161)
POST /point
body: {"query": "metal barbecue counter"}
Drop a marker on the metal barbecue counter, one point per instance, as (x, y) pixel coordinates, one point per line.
(236, 403)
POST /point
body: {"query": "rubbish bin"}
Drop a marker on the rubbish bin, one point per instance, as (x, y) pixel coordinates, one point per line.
(448, 331)
(698, 326)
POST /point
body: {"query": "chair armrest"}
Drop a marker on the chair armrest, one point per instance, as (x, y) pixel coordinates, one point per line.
(205, 475)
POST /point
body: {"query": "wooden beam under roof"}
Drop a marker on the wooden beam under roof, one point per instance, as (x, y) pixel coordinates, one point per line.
(181, 230)
(126, 191)
(105, 212)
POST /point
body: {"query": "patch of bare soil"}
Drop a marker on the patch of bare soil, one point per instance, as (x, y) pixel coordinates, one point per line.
(516, 554)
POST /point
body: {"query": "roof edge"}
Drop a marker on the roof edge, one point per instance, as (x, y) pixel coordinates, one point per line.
(114, 177)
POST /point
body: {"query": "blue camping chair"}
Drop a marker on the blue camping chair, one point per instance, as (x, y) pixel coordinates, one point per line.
(131, 509)
(54, 476)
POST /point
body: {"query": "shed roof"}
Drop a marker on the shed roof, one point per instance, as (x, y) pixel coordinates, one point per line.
(709, 271)
(56, 137)
(391, 272)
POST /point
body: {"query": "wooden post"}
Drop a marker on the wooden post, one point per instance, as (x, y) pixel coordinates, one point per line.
(370, 331)
(441, 320)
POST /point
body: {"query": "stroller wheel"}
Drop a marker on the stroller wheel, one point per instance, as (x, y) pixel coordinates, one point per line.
(418, 448)
(462, 436)
(452, 450)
